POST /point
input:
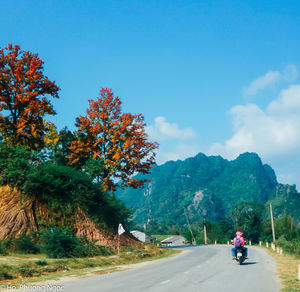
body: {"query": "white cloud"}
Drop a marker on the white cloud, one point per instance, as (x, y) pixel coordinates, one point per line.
(163, 130)
(270, 79)
(273, 133)
(181, 151)
(290, 73)
(288, 101)
(175, 143)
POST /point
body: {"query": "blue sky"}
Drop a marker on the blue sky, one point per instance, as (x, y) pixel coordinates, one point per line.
(220, 77)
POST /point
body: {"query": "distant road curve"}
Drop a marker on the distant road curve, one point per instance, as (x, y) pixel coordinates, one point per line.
(200, 268)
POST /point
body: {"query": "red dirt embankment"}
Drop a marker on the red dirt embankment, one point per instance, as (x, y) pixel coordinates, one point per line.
(21, 214)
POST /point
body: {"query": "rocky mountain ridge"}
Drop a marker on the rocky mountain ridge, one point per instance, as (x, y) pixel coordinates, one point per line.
(207, 187)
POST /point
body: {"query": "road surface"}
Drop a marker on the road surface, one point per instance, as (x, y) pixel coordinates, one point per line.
(200, 268)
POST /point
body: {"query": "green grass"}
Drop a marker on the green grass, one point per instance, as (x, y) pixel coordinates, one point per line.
(19, 269)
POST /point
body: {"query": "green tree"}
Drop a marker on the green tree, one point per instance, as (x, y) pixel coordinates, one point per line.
(61, 150)
(248, 217)
(15, 164)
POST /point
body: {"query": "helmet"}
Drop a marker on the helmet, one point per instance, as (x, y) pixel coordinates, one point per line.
(239, 233)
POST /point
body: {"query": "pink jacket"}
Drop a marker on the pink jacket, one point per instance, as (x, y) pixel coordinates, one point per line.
(242, 240)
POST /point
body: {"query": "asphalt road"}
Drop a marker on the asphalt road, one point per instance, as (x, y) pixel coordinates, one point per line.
(201, 268)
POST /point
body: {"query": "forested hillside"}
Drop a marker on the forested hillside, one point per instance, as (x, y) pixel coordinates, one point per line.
(208, 187)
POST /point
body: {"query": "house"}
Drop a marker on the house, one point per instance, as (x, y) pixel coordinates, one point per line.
(173, 241)
(141, 236)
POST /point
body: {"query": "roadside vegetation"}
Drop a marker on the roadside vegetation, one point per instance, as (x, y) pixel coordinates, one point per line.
(57, 242)
(287, 270)
(21, 268)
(250, 218)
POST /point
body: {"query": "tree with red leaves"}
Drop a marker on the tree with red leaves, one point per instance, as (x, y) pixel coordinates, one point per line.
(117, 139)
(23, 102)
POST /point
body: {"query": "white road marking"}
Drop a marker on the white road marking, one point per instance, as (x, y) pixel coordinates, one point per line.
(165, 282)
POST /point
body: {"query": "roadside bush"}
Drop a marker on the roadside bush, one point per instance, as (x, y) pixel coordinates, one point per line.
(266, 238)
(28, 270)
(106, 250)
(292, 246)
(7, 272)
(88, 249)
(26, 244)
(61, 242)
(41, 263)
(3, 247)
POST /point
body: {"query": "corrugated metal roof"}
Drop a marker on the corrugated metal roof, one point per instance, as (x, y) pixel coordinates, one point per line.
(172, 239)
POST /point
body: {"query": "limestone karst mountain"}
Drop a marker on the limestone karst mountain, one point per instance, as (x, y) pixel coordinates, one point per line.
(207, 187)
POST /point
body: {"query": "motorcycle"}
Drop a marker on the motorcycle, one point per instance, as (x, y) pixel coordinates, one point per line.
(240, 256)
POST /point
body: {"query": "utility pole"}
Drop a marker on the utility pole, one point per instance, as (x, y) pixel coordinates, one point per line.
(204, 229)
(190, 229)
(272, 222)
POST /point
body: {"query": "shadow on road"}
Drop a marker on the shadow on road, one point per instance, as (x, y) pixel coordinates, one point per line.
(249, 263)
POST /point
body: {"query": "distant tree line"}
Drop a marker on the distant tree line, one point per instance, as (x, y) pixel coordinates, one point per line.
(250, 218)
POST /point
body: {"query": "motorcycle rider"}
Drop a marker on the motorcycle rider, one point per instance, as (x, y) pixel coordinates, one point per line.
(239, 242)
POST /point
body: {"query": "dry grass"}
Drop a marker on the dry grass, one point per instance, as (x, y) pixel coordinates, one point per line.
(17, 270)
(287, 269)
